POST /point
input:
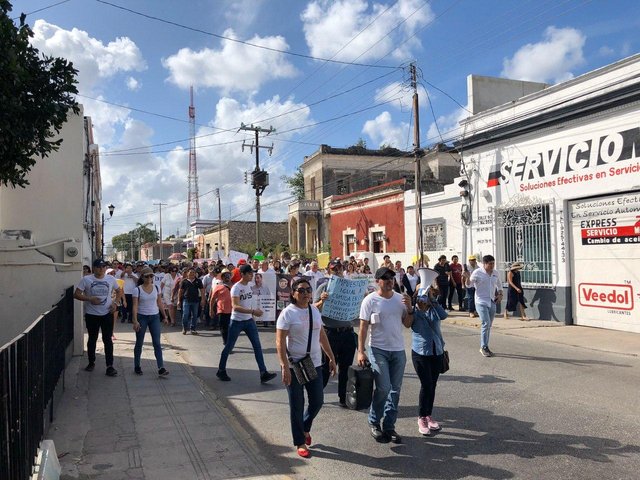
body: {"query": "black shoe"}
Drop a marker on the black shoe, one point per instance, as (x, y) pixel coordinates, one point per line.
(343, 404)
(222, 375)
(378, 434)
(111, 372)
(266, 376)
(138, 370)
(193, 332)
(163, 372)
(393, 436)
(184, 331)
(486, 352)
(90, 367)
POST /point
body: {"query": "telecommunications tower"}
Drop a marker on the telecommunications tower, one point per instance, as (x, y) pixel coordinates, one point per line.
(193, 207)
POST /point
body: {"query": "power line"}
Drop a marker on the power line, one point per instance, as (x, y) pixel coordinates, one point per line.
(222, 37)
(41, 9)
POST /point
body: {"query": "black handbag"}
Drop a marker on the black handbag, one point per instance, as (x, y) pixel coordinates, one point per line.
(304, 369)
(445, 355)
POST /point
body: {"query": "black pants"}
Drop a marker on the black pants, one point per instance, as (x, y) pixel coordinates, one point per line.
(127, 314)
(95, 323)
(458, 288)
(344, 344)
(444, 292)
(225, 319)
(428, 370)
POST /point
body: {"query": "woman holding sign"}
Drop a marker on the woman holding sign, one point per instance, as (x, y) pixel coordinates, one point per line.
(300, 341)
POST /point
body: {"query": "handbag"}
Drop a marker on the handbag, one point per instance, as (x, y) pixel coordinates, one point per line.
(304, 369)
(445, 355)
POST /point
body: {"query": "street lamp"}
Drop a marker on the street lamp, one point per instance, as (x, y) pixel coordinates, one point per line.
(111, 208)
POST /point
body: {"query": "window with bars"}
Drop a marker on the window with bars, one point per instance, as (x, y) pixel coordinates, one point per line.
(524, 235)
(378, 242)
(350, 242)
(434, 236)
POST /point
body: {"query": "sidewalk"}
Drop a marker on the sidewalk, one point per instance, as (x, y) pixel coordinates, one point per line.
(599, 339)
(146, 427)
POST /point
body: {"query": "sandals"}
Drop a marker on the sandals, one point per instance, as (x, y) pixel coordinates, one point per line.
(304, 452)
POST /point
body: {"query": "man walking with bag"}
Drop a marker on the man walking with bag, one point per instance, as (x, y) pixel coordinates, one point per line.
(386, 312)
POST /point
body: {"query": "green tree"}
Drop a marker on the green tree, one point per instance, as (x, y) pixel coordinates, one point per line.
(295, 183)
(138, 236)
(36, 95)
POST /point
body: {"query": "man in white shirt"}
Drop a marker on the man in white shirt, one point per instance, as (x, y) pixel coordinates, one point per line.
(488, 292)
(386, 311)
(243, 311)
(95, 290)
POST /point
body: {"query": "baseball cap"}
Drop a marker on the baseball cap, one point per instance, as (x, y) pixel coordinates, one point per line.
(242, 261)
(224, 270)
(99, 262)
(245, 268)
(384, 272)
(335, 263)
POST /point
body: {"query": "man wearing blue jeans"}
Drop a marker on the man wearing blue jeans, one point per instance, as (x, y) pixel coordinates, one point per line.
(488, 292)
(243, 311)
(386, 311)
(192, 292)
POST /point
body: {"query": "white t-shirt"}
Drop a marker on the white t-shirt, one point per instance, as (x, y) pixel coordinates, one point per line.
(98, 287)
(486, 286)
(387, 315)
(296, 321)
(147, 302)
(246, 301)
(413, 280)
(130, 283)
(157, 278)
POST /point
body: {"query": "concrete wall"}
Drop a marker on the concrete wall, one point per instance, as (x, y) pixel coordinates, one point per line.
(53, 209)
(235, 234)
(488, 92)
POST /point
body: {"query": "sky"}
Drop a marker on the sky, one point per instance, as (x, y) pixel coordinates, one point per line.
(319, 72)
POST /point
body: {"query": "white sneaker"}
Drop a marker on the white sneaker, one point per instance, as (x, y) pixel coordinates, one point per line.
(423, 426)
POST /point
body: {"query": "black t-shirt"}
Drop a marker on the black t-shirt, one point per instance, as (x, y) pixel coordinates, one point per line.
(191, 290)
(443, 271)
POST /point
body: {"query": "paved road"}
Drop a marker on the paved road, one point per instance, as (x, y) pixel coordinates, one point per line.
(537, 410)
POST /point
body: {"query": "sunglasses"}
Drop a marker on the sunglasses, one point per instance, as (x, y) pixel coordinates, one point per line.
(304, 290)
(148, 275)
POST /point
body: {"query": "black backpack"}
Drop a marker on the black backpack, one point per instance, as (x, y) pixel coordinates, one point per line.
(359, 387)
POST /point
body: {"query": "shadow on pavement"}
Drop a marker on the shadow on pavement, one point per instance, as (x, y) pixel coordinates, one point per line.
(570, 361)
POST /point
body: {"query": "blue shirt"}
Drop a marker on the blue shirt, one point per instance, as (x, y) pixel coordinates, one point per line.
(426, 332)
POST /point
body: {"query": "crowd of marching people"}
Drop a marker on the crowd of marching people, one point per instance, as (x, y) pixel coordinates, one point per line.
(311, 345)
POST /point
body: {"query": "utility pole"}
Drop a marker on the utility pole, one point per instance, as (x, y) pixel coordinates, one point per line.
(219, 222)
(418, 170)
(160, 206)
(259, 178)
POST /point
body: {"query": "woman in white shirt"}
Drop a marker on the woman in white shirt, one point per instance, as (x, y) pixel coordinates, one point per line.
(147, 309)
(292, 337)
(166, 287)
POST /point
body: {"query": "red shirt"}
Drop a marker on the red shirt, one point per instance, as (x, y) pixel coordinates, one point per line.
(221, 294)
(456, 272)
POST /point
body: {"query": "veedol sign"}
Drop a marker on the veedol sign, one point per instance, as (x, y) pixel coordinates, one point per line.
(602, 295)
(574, 158)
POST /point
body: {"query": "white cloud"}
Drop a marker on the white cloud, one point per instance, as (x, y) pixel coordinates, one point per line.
(449, 126)
(234, 67)
(133, 84)
(382, 130)
(350, 30)
(95, 61)
(550, 60)
(402, 91)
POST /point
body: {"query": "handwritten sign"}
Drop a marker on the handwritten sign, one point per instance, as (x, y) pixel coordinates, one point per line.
(235, 257)
(345, 297)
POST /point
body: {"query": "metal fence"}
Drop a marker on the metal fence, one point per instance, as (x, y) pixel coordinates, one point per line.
(30, 367)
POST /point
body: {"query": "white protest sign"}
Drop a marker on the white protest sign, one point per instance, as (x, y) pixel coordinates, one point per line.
(263, 288)
(235, 257)
(345, 297)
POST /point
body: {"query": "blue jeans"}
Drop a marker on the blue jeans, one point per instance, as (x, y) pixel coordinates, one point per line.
(486, 315)
(302, 420)
(190, 315)
(153, 322)
(249, 327)
(388, 369)
(471, 299)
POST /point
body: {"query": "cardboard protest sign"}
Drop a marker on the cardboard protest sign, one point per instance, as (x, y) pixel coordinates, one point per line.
(370, 278)
(323, 260)
(345, 297)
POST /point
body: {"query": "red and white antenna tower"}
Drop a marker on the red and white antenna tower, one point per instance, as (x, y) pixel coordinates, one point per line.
(193, 207)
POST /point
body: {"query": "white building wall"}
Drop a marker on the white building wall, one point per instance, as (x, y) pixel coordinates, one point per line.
(437, 207)
(52, 208)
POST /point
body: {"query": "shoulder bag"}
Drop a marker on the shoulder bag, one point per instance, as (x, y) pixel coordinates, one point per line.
(445, 355)
(304, 369)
